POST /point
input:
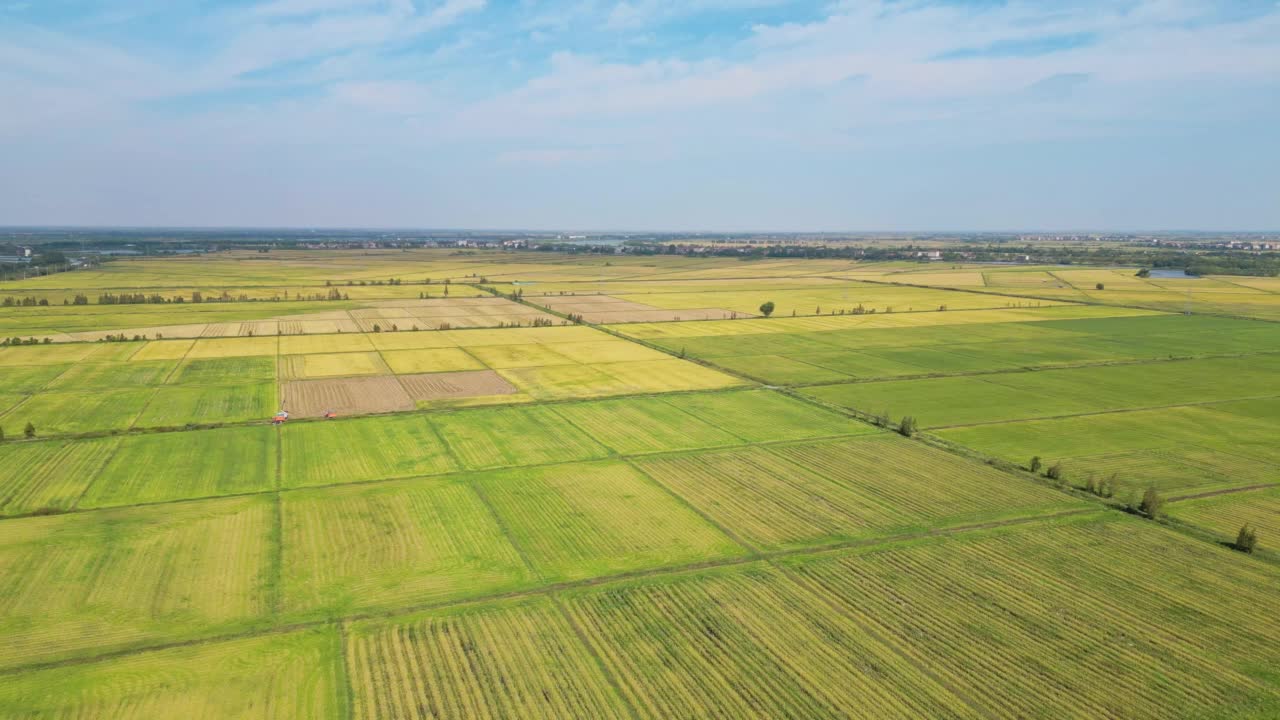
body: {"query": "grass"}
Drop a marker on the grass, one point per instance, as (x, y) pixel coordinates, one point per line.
(390, 545)
(92, 583)
(596, 519)
(173, 466)
(504, 660)
(294, 675)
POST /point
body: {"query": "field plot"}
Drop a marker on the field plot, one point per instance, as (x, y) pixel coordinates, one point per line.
(1061, 601)
(509, 660)
(592, 519)
(632, 426)
(294, 676)
(475, 387)
(225, 371)
(60, 413)
(762, 416)
(174, 466)
(1224, 515)
(504, 437)
(345, 396)
(90, 583)
(49, 475)
(362, 449)
(747, 642)
(174, 406)
(602, 309)
(392, 545)
(432, 360)
(820, 493)
(1168, 448)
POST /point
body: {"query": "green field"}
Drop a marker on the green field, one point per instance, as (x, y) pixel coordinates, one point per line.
(640, 519)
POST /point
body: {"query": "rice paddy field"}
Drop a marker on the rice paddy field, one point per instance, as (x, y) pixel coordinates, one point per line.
(672, 508)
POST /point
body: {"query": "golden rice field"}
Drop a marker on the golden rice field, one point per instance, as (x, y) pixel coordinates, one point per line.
(636, 516)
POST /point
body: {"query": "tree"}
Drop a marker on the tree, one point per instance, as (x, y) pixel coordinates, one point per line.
(767, 309)
(1151, 503)
(1246, 539)
(1143, 273)
(1035, 464)
(907, 427)
(29, 431)
(1055, 471)
(1100, 286)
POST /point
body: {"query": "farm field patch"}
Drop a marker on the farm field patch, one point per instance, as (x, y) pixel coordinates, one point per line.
(762, 416)
(173, 466)
(1224, 515)
(345, 396)
(72, 412)
(456, 388)
(503, 437)
(808, 494)
(592, 519)
(633, 426)
(745, 642)
(174, 406)
(1049, 596)
(49, 475)
(225, 371)
(111, 579)
(390, 545)
(296, 676)
(544, 670)
(377, 448)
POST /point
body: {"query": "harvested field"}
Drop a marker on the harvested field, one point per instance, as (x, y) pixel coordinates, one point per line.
(456, 385)
(347, 396)
(603, 309)
(544, 671)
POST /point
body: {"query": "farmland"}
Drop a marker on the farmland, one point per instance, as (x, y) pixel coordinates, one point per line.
(675, 508)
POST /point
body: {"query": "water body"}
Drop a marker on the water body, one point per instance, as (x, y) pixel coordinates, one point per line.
(1173, 275)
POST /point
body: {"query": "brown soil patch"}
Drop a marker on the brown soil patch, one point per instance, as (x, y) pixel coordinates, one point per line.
(347, 396)
(452, 385)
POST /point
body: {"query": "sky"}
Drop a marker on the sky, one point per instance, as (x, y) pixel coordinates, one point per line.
(730, 115)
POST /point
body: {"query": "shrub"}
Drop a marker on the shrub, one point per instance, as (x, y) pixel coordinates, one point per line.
(29, 431)
(1152, 503)
(767, 308)
(907, 427)
(1246, 539)
(1055, 472)
(1100, 286)
(1035, 464)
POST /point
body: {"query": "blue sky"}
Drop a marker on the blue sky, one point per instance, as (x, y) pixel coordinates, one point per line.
(642, 114)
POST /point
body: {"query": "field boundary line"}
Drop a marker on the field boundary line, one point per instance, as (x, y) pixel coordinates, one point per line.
(276, 537)
(177, 366)
(556, 587)
(596, 657)
(1222, 491)
(506, 531)
(344, 649)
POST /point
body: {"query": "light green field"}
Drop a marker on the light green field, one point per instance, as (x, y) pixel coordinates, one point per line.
(363, 449)
(595, 519)
(295, 675)
(73, 412)
(173, 466)
(633, 426)
(50, 474)
(503, 437)
(1225, 515)
(391, 545)
(90, 583)
(225, 371)
(177, 406)
(820, 493)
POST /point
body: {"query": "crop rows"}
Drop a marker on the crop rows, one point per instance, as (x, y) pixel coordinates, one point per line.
(1064, 621)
